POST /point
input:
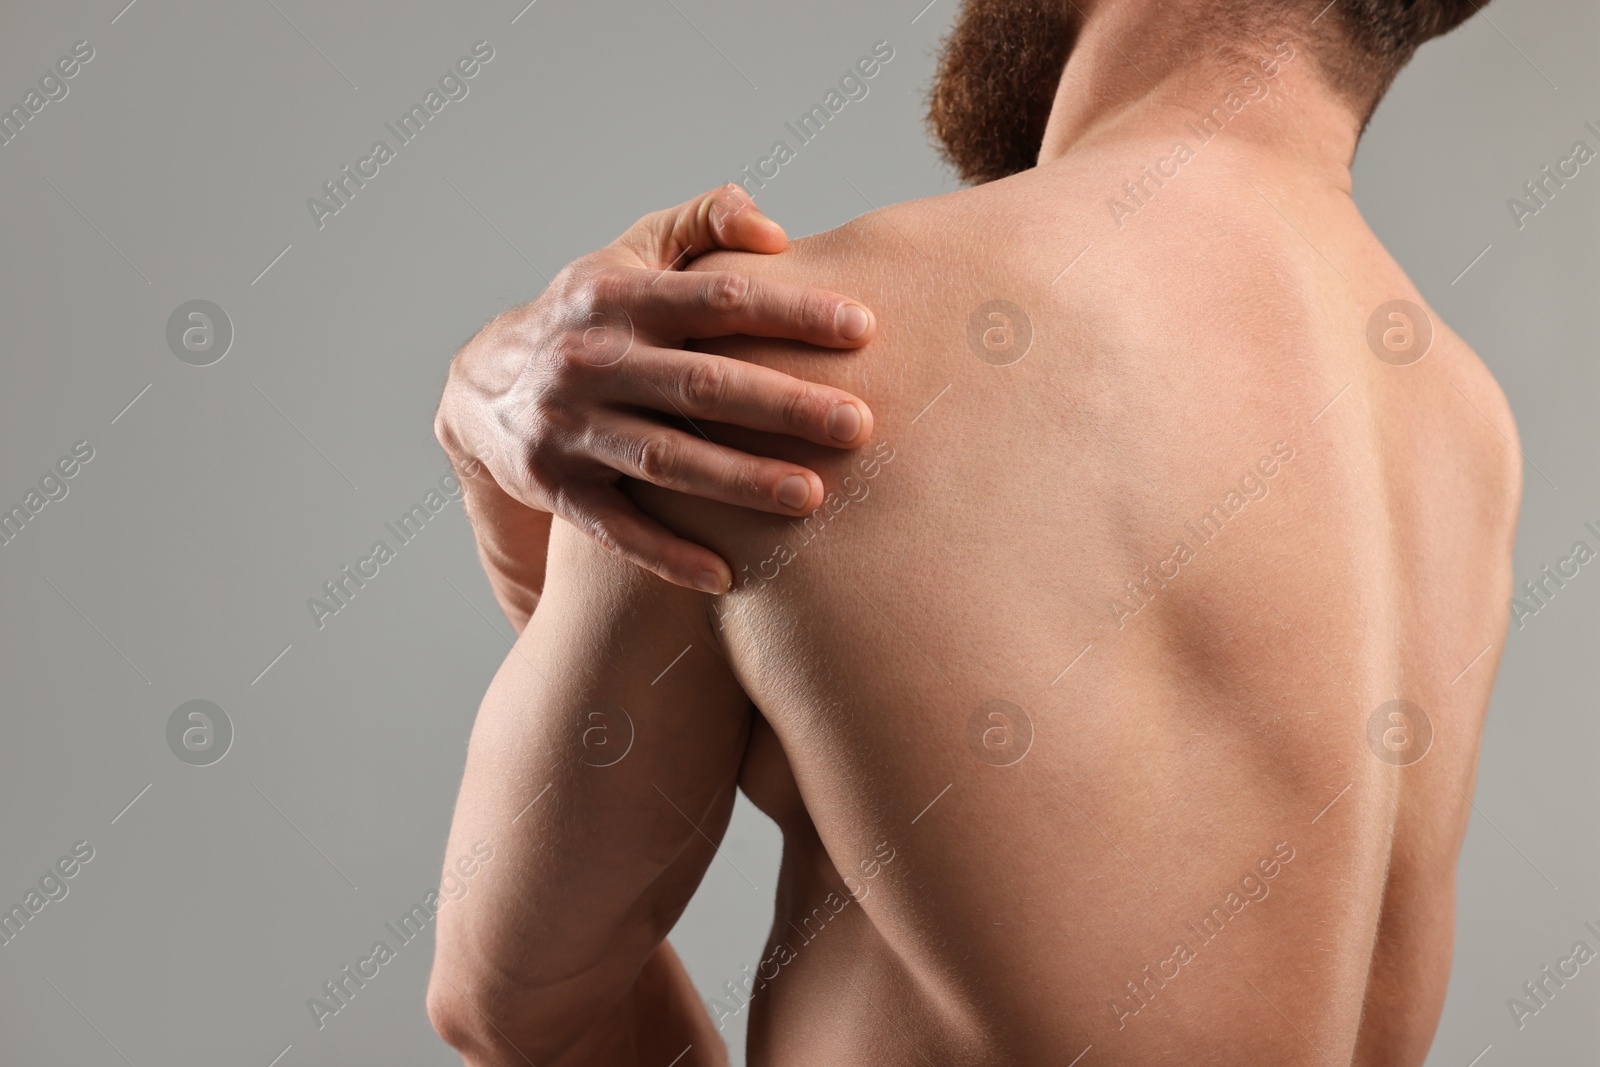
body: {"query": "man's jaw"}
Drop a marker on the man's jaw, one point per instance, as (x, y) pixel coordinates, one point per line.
(1021, 82)
(996, 81)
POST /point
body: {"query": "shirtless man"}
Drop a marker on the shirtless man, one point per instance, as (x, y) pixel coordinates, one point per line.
(1117, 702)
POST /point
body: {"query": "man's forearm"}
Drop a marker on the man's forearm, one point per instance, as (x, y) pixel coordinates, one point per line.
(661, 1021)
(602, 825)
(670, 1019)
(512, 541)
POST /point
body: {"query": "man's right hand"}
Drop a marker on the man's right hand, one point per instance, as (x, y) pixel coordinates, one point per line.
(560, 398)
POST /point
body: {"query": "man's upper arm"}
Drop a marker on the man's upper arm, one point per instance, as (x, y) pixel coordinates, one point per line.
(602, 769)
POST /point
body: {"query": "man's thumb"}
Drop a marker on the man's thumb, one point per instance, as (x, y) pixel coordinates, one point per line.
(723, 218)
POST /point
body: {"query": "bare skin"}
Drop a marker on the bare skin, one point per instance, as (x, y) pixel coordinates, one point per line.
(540, 416)
(1203, 851)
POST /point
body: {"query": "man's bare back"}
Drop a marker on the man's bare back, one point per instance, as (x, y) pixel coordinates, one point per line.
(1121, 703)
(1102, 645)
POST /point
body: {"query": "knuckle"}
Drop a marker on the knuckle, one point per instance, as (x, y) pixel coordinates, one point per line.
(538, 447)
(603, 534)
(575, 294)
(659, 458)
(554, 420)
(814, 313)
(549, 434)
(564, 277)
(607, 288)
(705, 385)
(565, 356)
(729, 202)
(796, 408)
(727, 292)
(571, 285)
(562, 504)
(753, 480)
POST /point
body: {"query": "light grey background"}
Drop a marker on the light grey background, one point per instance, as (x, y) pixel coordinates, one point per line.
(179, 565)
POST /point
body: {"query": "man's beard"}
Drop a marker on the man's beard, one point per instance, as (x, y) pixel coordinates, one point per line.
(996, 81)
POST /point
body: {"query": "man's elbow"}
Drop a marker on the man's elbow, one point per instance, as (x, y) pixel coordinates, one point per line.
(486, 1027)
(492, 1021)
(445, 1012)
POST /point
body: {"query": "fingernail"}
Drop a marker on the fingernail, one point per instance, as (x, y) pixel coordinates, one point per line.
(851, 321)
(710, 582)
(794, 491)
(844, 422)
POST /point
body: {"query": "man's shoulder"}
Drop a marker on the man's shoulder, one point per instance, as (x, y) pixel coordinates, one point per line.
(946, 239)
(1017, 286)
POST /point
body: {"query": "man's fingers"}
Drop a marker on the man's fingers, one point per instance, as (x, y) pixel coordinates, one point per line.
(703, 386)
(735, 223)
(723, 303)
(660, 296)
(688, 463)
(605, 514)
(723, 218)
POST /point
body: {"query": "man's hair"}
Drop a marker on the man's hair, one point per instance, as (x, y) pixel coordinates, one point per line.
(1001, 63)
(996, 80)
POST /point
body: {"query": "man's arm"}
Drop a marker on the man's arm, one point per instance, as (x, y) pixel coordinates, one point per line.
(513, 540)
(601, 773)
(551, 403)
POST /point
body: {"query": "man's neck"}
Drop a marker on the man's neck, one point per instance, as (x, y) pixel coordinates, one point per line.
(1136, 71)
